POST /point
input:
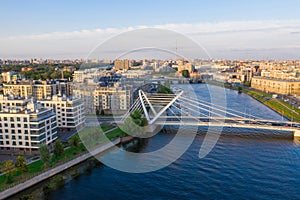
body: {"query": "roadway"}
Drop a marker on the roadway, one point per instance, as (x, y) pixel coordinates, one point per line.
(194, 122)
(95, 121)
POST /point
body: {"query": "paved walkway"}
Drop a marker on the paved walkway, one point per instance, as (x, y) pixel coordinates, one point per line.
(18, 188)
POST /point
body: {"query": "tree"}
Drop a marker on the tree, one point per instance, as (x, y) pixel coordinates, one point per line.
(102, 112)
(185, 73)
(10, 169)
(55, 75)
(45, 155)
(21, 163)
(74, 142)
(144, 122)
(164, 90)
(58, 148)
(8, 166)
(137, 114)
(240, 89)
(135, 124)
(97, 112)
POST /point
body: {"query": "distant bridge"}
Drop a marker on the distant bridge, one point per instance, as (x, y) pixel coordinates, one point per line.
(177, 109)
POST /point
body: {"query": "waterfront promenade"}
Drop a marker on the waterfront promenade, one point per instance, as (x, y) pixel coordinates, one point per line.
(18, 188)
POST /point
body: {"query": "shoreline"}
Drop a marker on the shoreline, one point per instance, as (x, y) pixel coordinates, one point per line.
(286, 117)
(246, 91)
(48, 174)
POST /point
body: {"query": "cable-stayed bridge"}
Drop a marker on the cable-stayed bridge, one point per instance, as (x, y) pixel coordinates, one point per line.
(179, 109)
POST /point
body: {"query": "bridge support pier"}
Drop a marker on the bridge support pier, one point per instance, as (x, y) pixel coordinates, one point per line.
(152, 129)
(296, 133)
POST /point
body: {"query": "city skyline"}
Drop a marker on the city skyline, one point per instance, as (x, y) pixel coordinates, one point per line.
(231, 30)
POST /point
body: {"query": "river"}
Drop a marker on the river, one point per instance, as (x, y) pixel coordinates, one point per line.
(242, 165)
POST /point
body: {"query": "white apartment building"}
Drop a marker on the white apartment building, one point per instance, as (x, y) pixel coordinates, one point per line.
(69, 112)
(38, 89)
(25, 125)
(112, 99)
(7, 76)
(84, 92)
(80, 76)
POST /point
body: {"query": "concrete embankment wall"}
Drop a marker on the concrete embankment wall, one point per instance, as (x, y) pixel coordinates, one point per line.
(18, 188)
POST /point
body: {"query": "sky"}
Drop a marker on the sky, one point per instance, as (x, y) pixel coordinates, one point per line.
(227, 29)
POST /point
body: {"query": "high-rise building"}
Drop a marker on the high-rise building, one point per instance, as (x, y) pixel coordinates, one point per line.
(121, 64)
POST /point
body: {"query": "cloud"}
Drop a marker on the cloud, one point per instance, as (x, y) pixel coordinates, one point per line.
(229, 39)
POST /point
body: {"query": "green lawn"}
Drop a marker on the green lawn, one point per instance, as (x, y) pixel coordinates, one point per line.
(37, 167)
(106, 126)
(276, 104)
(93, 137)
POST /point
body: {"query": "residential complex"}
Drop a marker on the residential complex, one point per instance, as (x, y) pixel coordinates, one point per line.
(112, 99)
(38, 89)
(25, 125)
(278, 86)
(69, 112)
(45, 107)
(280, 77)
(122, 64)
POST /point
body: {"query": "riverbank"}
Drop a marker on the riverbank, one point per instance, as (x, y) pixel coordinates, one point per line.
(103, 137)
(20, 187)
(279, 106)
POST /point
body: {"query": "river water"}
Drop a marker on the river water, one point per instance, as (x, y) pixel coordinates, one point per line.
(244, 164)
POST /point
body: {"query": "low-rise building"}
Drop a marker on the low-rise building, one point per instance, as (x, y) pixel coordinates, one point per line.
(278, 86)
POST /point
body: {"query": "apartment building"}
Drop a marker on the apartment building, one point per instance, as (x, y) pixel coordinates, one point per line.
(81, 76)
(112, 99)
(38, 89)
(184, 65)
(25, 125)
(69, 112)
(122, 64)
(18, 89)
(278, 86)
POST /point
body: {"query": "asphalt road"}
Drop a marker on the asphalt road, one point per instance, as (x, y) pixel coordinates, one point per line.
(95, 121)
